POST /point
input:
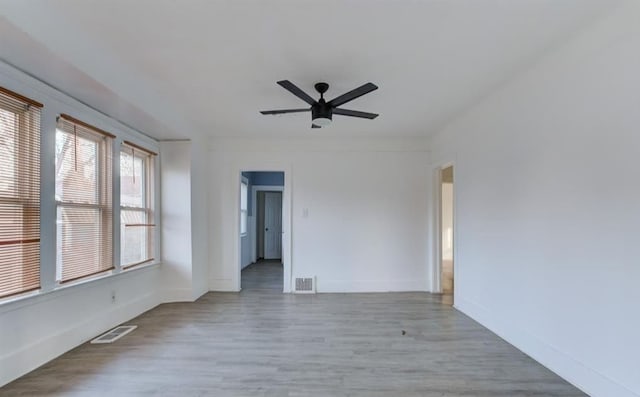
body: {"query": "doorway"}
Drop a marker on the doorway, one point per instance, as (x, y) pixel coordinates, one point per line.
(261, 246)
(447, 281)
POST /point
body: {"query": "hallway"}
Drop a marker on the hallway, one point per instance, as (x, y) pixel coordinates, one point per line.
(264, 274)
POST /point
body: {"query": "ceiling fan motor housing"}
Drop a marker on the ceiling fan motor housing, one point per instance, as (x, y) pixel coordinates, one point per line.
(321, 110)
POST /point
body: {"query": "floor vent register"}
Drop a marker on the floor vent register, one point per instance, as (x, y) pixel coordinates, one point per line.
(305, 285)
(114, 334)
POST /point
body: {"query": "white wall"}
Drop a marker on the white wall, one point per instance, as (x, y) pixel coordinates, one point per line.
(184, 194)
(547, 208)
(199, 222)
(175, 171)
(367, 205)
(36, 329)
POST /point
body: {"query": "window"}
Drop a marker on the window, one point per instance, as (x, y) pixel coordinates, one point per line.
(244, 187)
(83, 196)
(136, 205)
(19, 194)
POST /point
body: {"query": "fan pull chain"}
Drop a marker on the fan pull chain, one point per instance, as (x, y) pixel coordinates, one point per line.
(133, 164)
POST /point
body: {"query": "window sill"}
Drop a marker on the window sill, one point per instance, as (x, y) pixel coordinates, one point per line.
(33, 298)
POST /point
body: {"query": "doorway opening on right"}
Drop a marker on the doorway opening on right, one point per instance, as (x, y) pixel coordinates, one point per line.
(447, 234)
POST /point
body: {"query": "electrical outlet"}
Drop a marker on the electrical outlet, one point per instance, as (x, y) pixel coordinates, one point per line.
(113, 296)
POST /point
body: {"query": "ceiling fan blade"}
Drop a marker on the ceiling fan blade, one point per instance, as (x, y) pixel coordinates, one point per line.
(354, 113)
(353, 94)
(292, 88)
(284, 111)
(315, 126)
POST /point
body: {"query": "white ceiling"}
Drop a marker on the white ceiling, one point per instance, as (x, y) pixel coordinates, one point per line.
(177, 68)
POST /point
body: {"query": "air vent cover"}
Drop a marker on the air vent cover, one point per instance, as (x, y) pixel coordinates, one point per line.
(114, 334)
(305, 285)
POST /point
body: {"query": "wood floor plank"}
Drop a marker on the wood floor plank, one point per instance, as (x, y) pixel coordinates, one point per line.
(261, 342)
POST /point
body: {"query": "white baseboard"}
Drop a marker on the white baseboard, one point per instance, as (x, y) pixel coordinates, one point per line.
(222, 285)
(19, 362)
(196, 294)
(360, 286)
(586, 379)
(177, 295)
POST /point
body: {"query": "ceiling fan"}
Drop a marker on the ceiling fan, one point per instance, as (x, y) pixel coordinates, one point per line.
(322, 111)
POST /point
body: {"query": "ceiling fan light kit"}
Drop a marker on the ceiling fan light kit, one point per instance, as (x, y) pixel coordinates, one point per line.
(322, 111)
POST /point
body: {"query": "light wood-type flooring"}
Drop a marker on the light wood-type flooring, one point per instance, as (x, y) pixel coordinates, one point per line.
(261, 342)
(264, 274)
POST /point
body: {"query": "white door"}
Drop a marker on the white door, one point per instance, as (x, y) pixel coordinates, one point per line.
(272, 225)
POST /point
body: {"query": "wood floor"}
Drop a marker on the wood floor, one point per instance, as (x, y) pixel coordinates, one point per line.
(264, 274)
(261, 342)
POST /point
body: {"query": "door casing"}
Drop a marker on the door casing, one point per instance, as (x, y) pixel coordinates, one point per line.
(436, 275)
(234, 242)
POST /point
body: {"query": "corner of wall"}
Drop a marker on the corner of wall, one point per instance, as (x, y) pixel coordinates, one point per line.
(580, 375)
(58, 339)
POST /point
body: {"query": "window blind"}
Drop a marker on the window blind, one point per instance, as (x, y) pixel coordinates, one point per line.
(19, 193)
(136, 205)
(83, 197)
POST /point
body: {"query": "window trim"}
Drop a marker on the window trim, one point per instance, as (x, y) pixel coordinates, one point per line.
(21, 98)
(28, 298)
(244, 221)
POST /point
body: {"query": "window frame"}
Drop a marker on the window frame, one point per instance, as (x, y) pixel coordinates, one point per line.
(148, 175)
(244, 212)
(27, 197)
(58, 104)
(104, 199)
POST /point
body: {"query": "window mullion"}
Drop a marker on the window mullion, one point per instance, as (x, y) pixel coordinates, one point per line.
(48, 206)
(116, 205)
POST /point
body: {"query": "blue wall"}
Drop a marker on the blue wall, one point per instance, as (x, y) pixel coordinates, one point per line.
(267, 178)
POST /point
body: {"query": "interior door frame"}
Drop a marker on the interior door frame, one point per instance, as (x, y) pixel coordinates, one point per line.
(436, 276)
(234, 240)
(254, 211)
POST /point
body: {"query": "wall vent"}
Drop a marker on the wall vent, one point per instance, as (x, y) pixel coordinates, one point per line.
(114, 334)
(305, 285)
